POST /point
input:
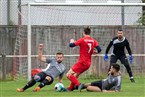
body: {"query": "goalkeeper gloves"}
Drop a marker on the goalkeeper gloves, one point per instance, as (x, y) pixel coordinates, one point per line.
(106, 57)
(130, 58)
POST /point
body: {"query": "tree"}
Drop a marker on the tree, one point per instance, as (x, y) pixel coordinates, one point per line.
(141, 20)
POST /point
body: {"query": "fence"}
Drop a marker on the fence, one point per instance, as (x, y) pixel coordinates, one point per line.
(57, 38)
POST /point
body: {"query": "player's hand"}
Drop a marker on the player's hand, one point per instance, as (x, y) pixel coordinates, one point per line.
(106, 58)
(130, 58)
(72, 40)
(95, 52)
(41, 46)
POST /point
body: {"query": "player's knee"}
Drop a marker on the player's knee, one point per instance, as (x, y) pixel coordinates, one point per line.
(48, 78)
(37, 78)
(88, 89)
(76, 75)
(67, 75)
(126, 64)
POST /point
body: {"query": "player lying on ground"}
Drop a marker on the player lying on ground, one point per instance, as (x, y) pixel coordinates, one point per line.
(54, 69)
(119, 43)
(87, 45)
(111, 84)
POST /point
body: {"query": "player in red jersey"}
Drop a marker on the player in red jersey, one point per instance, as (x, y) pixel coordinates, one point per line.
(87, 45)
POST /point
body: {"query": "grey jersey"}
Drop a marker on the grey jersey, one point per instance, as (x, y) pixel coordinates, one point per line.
(54, 68)
(111, 83)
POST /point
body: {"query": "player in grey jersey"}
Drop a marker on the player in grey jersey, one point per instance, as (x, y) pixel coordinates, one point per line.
(111, 84)
(54, 69)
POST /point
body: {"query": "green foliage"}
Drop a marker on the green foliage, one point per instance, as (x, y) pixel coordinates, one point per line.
(141, 20)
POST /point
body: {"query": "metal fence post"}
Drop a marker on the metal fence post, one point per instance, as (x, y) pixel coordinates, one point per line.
(3, 67)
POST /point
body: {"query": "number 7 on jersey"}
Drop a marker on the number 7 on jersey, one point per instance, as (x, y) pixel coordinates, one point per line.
(90, 47)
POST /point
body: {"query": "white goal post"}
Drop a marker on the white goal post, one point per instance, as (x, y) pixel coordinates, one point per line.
(62, 4)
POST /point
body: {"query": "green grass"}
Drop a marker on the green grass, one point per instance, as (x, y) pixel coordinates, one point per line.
(8, 89)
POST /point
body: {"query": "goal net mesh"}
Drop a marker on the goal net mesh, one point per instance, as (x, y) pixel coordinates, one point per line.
(54, 26)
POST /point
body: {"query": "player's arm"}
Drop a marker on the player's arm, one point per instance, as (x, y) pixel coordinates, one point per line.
(40, 55)
(60, 77)
(128, 48)
(109, 46)
(98, 50)
(107, 50)
(72, 44)
(129, 51)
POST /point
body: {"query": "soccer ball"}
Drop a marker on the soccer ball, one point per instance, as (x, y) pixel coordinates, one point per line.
(59, 87)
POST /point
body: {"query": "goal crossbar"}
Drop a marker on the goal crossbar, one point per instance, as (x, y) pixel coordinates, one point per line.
(86, 4)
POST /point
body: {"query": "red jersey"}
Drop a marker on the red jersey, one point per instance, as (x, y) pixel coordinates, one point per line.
(87, 45)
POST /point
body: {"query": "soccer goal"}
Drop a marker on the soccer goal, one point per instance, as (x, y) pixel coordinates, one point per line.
(54, 24)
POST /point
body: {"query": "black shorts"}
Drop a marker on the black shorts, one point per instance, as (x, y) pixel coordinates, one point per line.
(97, 83)
(43, 76)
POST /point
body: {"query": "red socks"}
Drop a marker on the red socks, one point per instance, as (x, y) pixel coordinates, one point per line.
(74, 80)
(71, 87)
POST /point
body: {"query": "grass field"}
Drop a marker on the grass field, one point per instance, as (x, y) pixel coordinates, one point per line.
(8, 89)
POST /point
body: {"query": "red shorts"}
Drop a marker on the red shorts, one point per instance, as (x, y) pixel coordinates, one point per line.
(79, 67)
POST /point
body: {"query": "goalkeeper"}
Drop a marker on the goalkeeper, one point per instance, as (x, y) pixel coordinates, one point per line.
(111, 84)
(119, 43)
(54, 69)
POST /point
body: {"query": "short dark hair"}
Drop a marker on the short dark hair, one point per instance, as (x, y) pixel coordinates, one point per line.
(87, 31)
(120, 29)
(116, 66)
(59, 53)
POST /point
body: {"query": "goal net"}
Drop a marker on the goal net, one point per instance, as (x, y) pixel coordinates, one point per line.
(55, 24)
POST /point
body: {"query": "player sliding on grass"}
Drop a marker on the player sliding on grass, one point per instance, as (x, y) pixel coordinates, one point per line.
(111, 84)
(46, 77)
(119, 43)
(87, 45)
